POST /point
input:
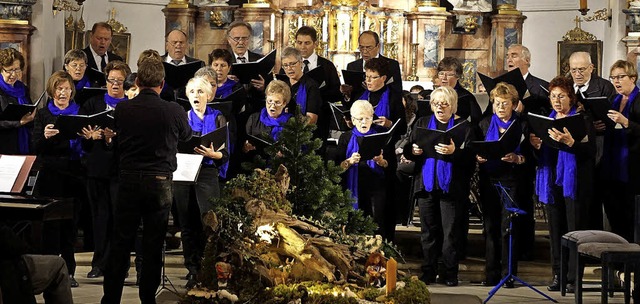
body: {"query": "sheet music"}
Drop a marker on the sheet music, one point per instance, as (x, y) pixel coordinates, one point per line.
(9, 169)
(188, 167)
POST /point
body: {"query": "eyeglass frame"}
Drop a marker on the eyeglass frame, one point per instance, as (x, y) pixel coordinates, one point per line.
(290, 65)
(277, 104)
(175, 43)
(445, 75)
(60, 90)
(372, 78)
(361, 119)
(76, 66)
(580, 70)
(557, 97)
(440, 104)
(617, 77)
(239, 39)
(115, 81)
(12, 72)
(367, 48)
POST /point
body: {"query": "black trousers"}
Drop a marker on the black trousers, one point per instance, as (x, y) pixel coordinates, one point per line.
(102, 197)
(192, 202)
(496, 228)
(564, 215)
(441, 217)
(142, 196)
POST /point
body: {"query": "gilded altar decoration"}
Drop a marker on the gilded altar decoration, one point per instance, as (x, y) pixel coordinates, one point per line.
(115, 25)
(578, 34)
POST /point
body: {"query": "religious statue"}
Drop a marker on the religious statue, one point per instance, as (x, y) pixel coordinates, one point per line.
(376, 270)
(471, 5)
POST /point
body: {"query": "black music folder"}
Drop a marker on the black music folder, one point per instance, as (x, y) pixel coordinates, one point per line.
(70, 125)
(599, 107)
(424, 107)
(96, 77)
(14, 112)
(514, 78)
(250, 70)
(260, 142)
(353, 78)
(541, 124)
(427, 139)
(87, 93)
(177, 76)
(340, 114)
(225, 107)
(371, 146)
(218, 137)
(496, 149)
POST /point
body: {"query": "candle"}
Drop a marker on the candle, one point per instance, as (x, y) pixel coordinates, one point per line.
(583, 4)
(325, 28)
(414, 31)
(380, 3)
(310, 2)
(389, 26)
(299, 21)
(272, 30)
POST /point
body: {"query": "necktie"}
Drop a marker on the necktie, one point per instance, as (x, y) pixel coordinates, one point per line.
(306, 66)
(242, 59)
(176, 62)
(103, 63)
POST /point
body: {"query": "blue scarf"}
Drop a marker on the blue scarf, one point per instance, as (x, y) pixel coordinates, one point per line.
(301, 98)
(276, 124)
(566, 168)
(75, 145)
(225, 89)
(112, 101)
(616, 152)
(83, 83)
(19, 92)
(352, 172)
(493, 133)
(382, 109)
(442, 168)
(204, 126)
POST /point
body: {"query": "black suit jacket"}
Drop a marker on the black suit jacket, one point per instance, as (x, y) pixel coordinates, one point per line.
(92, 62)
(252, 56)
(538, 102)
(599, 86)
(394, 72)
(187, 59)
(331, 91)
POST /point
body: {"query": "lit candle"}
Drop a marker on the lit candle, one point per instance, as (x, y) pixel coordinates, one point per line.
(272, 30)
(299, 21)
(414, 31)
(380, 3)
(310, 2)
(389, 26)
(583, 4)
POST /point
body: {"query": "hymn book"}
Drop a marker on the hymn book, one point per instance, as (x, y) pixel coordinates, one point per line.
(251, 70)
(427, 139)
(177, 76)
(15, 112)
(541, 124)
(371, 146)
(71, 125)
(496, 149)
(219, 137)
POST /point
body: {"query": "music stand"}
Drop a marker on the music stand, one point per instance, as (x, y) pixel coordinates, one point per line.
(514, 211)
(165, 278)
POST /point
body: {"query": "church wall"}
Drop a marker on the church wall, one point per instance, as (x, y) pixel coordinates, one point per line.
(47, 45)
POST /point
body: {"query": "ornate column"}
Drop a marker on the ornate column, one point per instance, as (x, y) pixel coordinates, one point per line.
(506, 30)
(258, 15)
(632, 40)
(427, 42)
(16, 29)
(181, 15)
(211, 27)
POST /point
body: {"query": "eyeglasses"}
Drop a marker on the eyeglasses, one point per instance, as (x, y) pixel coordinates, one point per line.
(372, 78)
(63, 90)
(366, 48)
(289, 65)
(361, 119)
(558, 97)
(275, 103)
(503, 104)
(617, 77)
(177, 43)
(115, 81)
(12, 72)
(440, 104)
(578, 70)
(446, 75)
(239, 39)
(76, 66)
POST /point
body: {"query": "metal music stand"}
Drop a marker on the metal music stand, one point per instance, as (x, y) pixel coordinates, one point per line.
(165, 278)
(514, 211)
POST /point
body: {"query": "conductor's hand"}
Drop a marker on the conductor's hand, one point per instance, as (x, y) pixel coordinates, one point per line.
(93, 133)
(248, 147)
(383, 122)
(354, 159)
(258, 83)
(480, 159)
(233, 77)
(49, 131)
(562, 137)
(346, 89)
(446, 149)
(535, 141)
(108, 135)
(599, 125)
(209, 151)
(27, 118)
(617, 117)
(416, 150)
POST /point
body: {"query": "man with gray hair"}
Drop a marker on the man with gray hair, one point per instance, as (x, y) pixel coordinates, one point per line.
(518, 56)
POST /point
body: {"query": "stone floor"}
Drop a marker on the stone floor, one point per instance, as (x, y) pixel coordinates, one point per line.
(90, 290)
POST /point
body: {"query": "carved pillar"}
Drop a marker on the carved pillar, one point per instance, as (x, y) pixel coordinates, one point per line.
(16, 29)
(430, 36)
(260, 18)
(506, 30)
(211, 29)
(180, 15)
(632, 40)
